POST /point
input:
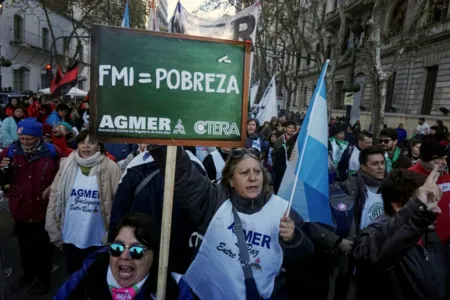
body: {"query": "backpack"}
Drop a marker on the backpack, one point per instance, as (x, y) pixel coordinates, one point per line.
(50, 147)
(342, 208)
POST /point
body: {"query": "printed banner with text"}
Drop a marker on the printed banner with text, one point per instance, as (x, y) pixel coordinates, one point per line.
(240, 27)
(163, 86)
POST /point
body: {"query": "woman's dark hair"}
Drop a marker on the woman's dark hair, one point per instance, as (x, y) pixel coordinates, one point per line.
(145, 230)
(254, 120)
(83, 135)
(399, 187)
(20, 107)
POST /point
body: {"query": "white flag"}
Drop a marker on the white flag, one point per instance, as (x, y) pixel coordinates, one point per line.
(268, 106)
(253, 91)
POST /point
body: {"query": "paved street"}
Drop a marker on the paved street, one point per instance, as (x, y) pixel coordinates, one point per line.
(11, 259)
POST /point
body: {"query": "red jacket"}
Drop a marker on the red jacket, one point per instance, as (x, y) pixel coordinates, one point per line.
(60, 142)
(9, 111)
(28, 179)
(33, 110)
(443, 220)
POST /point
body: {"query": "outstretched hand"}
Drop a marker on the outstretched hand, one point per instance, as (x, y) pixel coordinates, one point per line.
(430, 193)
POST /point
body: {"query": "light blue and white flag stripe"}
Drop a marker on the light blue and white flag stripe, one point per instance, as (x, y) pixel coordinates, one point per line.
(126, 17)
(305, 182)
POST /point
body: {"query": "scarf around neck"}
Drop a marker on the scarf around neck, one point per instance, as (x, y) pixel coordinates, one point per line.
(365, 180)
(123, 293)
(69, 173)
(341, 144)
(390, 161)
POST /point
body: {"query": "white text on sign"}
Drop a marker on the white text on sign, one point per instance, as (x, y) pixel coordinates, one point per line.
(172, 79)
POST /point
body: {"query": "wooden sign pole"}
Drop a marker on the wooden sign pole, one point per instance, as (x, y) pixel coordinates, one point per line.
(169, 179)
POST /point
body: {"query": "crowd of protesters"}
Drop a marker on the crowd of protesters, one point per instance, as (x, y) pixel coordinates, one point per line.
(231, 238)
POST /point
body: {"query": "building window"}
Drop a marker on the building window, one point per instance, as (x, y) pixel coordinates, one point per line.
(390, 92)
(439, 10)
(45, 38)
(329, 49)
(346, 42)
(324, 11)
(18, 28)
(82, 84)
(45, 81)
(295, 98)
(22, 79)
(81, 51)
(338, 99)
(430, 87)
(398, 18)
(66, 44)
(305, 95)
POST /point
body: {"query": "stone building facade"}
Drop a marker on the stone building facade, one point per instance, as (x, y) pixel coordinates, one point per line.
(25, 39)
(420, 86)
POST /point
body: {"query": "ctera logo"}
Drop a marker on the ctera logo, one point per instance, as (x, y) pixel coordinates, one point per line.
(216, 128)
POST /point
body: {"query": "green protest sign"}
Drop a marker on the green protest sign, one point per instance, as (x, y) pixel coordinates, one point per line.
(152, 87)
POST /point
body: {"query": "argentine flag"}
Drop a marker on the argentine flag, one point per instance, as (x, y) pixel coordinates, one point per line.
(126, 17)
(305, 182)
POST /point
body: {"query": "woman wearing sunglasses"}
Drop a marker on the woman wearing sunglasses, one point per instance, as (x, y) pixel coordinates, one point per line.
(126, 269)
(244, 227)
(80, 202)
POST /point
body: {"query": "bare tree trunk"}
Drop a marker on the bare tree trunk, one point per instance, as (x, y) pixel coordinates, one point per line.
(329, 87)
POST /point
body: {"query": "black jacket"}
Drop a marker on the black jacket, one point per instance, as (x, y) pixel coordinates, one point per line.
(150, 201)
(397, 258)
(343, 164)
(210, 167)
(403, 162)
(201, 199)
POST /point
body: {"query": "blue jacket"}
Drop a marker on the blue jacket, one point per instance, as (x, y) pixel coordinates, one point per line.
(9, 132)
(53, 119)
(120, 151)
(401, 134)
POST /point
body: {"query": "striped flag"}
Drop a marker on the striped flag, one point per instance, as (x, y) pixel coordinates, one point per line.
(305, 182)
(126, 17)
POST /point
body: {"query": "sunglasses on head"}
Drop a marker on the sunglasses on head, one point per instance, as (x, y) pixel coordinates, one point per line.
(385, 141)
(134, 252)
(241, 152)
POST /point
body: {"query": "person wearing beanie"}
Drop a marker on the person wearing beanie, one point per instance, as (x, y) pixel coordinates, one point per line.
(433, 154)
(29, 166)
(9, 126)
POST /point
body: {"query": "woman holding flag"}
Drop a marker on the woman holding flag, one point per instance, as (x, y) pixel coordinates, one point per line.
(248, 232)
